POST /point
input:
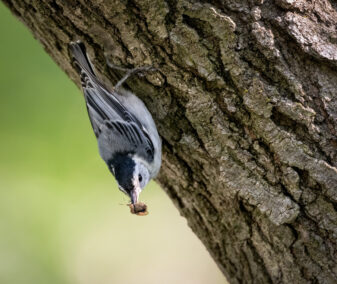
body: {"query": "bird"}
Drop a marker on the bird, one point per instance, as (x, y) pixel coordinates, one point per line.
(127, 137)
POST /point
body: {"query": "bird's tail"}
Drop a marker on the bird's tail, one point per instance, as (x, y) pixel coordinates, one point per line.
(80, 58)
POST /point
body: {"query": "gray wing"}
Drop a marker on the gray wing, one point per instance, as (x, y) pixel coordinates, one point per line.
(116, 129)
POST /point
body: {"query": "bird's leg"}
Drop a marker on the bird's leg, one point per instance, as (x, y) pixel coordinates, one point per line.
(129, 72)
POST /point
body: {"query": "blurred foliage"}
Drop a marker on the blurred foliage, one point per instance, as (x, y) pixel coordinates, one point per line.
(62, 219)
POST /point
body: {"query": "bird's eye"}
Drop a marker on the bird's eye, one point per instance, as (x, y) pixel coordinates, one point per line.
(140, 178)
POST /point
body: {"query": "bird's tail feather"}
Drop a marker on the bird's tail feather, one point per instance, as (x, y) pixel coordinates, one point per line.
(80, 57)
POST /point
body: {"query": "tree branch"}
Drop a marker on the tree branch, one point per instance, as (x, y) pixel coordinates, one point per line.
(245, 103)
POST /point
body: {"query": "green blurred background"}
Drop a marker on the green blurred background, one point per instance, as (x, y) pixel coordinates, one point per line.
(62, 219)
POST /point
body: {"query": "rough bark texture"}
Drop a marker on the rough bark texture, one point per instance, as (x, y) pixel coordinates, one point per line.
(245, 102)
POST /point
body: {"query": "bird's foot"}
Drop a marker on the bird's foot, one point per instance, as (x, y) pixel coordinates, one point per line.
(140, 71)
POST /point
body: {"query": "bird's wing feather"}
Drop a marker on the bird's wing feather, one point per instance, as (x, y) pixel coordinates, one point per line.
(105, 110)
(109, 116)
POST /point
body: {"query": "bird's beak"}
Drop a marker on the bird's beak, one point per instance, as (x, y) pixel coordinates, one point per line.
(135, 195)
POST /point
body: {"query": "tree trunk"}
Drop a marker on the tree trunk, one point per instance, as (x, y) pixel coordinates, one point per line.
(245, 102)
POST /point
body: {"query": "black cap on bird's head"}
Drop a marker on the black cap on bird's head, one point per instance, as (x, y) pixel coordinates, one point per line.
(123, 168)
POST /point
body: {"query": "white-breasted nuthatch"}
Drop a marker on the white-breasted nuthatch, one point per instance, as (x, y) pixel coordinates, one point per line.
(127, 136)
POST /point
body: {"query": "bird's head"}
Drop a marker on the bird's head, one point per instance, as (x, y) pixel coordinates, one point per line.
(132, 176)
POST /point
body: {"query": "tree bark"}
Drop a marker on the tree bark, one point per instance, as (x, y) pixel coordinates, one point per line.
(245, 102)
